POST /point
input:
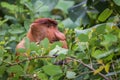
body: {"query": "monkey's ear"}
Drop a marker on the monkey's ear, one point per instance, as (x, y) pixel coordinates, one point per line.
(59, 35)
(32, 27)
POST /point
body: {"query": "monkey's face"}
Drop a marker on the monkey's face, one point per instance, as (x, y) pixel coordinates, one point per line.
(43, 31)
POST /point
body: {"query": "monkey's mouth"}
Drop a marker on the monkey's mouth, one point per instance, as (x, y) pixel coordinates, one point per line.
(55, 40)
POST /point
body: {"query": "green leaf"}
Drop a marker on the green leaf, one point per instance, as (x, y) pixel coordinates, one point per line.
(3, 21)
(117, 2)
(10, 7)
(64, 5)
(58, 50)
(1, 51)
(50, 4)
(42, 76)
(109, 39)
(29, 5)
(81, 55)
(33, 46)
(98, 70)
(53, 45)
(39, 7)
(113, 73)
(15, 68)
(98, 54)
(45, 43)
(83, 19)
(2, 69)
(27, 43)
(21, 50)
(27, 24)
(58, 77)
(83, 37)
(26, 66)
(101, 29)
(70, 74)
(61, 57)
(105, 14)
(52, 70)
(16, 31)
(107, 67)
(3, 32)
(10, 17)
(68, 23)
(18, 70)
(79, 14)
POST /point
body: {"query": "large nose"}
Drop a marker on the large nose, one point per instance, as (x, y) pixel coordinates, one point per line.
(59, 35)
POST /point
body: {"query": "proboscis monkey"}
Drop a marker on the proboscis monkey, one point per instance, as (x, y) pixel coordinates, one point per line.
(44, 28)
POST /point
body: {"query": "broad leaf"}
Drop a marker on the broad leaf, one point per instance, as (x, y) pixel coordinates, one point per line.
(50, 3)
(83, 38)
(117, 2)
(52, 70)
(101, 29)
(105, 15)
(45, 43)
(64, 5)
(53, 45)
(98, 54)
(78, 14)
(21, 50)
(70, 74)
(77, 11)
(33, 46)
(3, 21)
(2, 69)
(68, 23)
(27, 43)
(10, 7)
(98, 70)
(109, 39)
(16, 31)
(42, 76)
(58, 50)
(107, 67)
(15, 69)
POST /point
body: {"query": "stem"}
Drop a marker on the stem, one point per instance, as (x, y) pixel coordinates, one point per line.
(29, 59)
(102, 75)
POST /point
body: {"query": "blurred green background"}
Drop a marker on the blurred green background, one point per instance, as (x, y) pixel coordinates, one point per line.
(92, 31)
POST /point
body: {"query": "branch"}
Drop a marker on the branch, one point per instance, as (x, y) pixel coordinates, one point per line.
(80, 61)
(29, 59)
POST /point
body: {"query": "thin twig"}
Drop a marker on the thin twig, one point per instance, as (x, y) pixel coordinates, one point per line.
(37, 57)
(29, 59)
(102, 75)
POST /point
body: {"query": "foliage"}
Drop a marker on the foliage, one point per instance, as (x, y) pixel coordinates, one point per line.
(93, 37)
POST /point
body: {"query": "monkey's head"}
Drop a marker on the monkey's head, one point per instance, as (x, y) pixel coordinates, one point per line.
(46, 28)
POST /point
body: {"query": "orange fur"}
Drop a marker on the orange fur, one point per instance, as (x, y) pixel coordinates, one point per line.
(44, 28)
